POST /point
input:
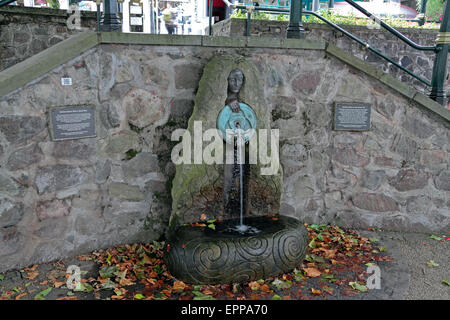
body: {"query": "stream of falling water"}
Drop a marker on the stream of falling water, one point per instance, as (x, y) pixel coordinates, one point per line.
(242, 228)
(241, 176)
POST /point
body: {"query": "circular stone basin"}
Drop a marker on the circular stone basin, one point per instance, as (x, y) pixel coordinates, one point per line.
(202, 255)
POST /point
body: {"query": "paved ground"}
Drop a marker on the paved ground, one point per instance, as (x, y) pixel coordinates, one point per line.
(415, 250)
(419, 267)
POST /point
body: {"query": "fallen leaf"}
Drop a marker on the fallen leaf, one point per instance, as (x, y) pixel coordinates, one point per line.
(316, 292)
(126, 282)
(265, 288)
(146, 259)
(431, 263)
(435, 237)
(32, 275)
(254, 285)
(357, 286)
(312, 272)
(203, 216)
(179, 285)
(207, 292)
(68, 298)
(41, 295)
(277, 283)
(328, 253)
(21, 295)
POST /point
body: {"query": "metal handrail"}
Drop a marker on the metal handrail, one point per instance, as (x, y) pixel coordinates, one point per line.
(391, 29)
(367, 46)
(350, 35)
(5, 2)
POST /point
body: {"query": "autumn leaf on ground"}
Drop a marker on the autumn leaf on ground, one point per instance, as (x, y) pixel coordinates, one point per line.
(435, 237)
(21, 295)
(266, 288)
(312, 272)
(58, 284)
(83, 287)
(316, 292)
(41, 295)
(254, 285)
(32, 275)
(179, 285)
(431, 263)
(278, 284)
(126, 282)
(68, 298)
(203, 216)
(357, 286)
(328, 253)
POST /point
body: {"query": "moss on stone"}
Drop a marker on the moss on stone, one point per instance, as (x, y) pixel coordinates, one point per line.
(190, 179)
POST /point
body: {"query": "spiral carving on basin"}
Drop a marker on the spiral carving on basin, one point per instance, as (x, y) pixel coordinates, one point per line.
(202, 255)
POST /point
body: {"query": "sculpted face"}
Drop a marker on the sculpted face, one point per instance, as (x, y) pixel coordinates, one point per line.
(235, 81)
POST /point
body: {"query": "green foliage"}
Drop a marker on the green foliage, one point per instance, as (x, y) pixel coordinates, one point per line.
(54, 4)
(348, 20)
(434, 9)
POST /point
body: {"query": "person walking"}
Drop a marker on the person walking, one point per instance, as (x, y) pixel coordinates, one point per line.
(169, 17)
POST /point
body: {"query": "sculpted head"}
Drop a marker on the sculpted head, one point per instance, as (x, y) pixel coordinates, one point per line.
(235, 80)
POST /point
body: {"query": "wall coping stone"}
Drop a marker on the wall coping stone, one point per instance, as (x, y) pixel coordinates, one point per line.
(43, 62)
(11, 10)
(313, 25)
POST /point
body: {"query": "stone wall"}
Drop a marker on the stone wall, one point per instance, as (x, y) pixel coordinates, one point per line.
(66, 197)
(420, 62)
(26, 31)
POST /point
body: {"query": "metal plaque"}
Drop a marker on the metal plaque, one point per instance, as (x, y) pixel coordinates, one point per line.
(352, 116)
(72, 122)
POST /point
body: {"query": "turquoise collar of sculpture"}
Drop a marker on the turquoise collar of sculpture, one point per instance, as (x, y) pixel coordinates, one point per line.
(229, 120)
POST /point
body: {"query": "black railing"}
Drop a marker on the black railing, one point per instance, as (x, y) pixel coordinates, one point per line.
(440, 49)
(110, 22)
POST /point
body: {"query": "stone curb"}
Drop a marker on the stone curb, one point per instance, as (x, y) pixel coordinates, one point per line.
(43, 62)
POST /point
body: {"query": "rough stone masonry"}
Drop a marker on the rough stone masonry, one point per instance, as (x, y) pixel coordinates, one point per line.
(59, 198)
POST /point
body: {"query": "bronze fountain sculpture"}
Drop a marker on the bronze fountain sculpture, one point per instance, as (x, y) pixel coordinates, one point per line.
(248, 239)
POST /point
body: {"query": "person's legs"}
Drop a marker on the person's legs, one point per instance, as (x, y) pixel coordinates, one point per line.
(170, 28)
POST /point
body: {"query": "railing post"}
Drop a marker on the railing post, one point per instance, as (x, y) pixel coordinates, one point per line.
(330, 4)
(423, 9)
(98, 3)
(210, 10)
(295, 28)
(440, 61)
(248, 23)
(315, 5)
(110, 20)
